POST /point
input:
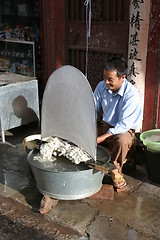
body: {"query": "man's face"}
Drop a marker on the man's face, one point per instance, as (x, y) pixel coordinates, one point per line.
(113, 82)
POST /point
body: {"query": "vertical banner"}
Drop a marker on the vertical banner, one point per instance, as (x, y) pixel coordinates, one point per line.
(138, 40)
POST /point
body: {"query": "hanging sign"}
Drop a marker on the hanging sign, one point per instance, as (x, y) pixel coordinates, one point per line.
(138, 40)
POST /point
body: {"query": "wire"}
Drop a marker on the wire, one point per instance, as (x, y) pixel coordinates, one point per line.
(87, 3)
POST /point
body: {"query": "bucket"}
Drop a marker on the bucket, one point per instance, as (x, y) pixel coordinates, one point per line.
(151, 141)
(65, 180)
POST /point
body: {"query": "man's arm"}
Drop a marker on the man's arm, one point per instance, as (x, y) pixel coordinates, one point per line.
(103, 137)
(97, 98)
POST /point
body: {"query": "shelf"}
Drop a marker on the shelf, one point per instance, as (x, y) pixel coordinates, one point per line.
(17, 41)
(18, 57)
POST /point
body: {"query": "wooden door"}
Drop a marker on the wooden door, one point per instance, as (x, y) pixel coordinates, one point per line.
(109, 35)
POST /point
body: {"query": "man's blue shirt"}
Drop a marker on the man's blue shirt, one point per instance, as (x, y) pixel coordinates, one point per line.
(122, 110)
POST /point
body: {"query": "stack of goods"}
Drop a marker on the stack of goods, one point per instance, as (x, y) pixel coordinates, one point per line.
(18, 33)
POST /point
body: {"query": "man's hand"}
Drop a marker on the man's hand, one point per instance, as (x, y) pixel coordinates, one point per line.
(103, 137)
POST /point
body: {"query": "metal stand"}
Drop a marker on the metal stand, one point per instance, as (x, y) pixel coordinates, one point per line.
(2, 131)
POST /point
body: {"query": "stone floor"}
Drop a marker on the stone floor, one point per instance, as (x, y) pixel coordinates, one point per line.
(132, 215)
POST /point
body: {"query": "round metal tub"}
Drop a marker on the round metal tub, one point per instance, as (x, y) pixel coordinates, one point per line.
(65, 180)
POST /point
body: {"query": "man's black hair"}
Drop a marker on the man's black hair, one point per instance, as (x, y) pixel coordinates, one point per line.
(118, 64)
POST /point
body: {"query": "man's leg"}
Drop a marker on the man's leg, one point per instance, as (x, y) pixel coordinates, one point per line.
(119, 145)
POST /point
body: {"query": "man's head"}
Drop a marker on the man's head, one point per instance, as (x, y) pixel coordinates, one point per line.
(115, 70)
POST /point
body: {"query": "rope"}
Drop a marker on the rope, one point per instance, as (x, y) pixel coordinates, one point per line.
(87, 3)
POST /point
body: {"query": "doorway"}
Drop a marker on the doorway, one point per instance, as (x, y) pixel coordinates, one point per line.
(109, 35)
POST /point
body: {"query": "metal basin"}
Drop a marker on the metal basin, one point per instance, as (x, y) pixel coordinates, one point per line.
(65, 180)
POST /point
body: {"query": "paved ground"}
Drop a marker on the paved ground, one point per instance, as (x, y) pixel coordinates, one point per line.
(132, 215)
(19, 222)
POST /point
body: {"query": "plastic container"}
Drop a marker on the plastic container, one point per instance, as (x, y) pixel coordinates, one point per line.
(27, 142)
(30, 142)
(151, 139)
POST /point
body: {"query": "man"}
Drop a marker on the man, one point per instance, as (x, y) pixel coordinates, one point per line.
(122, 113)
